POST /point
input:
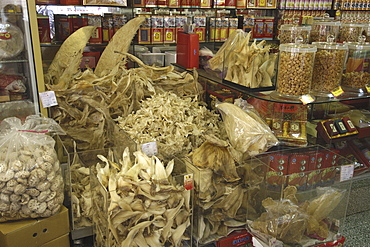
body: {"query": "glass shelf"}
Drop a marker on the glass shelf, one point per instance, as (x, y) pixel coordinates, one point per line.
(268, 93)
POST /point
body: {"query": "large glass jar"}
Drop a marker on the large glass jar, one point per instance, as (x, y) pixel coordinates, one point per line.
(328, 67)
(321, 30)
(289, 33)
(350, 32)
(295, 69)
(357, 73)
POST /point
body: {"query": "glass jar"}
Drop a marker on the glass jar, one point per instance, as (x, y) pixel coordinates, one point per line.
(295, 69)
(328, 67)
(321, 30)
(289, 33)
(357, 71)
(349, 32)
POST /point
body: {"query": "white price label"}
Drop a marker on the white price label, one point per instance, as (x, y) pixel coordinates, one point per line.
(149, 148)
(346, 172)
(48, 99)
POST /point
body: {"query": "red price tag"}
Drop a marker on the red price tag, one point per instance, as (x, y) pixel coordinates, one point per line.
(188, 182)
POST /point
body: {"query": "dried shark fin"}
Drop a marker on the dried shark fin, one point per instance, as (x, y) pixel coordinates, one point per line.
(67, 60)
(120, 42)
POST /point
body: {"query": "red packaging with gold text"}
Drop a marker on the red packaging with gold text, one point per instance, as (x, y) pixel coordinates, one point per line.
(63, 27)
(157, 30)
(195, 3)
(206, 4)
(161, 3)
(79, 21)
(330, 163)
(278, 168)
(173, 3)
(44, 29)
(314, 166)
(224, 32)
(230, 4)
(185, 3)
(150, 3)
(97, 36)
(268, 31)
(144, 36)
(107, 27)
(298, 165)
(241, 4)
(200, 27)
(169, 23)
(233, 25)
(215, 29)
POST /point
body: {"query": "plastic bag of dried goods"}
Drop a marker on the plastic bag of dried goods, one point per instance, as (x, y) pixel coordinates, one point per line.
(247, 132)
(31, 182)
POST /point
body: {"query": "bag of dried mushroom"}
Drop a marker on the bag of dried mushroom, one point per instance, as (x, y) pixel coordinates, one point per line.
(31, 182)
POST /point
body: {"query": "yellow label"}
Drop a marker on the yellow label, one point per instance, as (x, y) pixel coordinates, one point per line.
(307, 98)
(157, 36)
(224, 33)
(367, 86)
(200, 34)
(262, 3)
(337, 92)
(169, 36)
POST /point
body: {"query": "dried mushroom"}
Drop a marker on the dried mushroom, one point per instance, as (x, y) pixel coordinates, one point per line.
(26, 188)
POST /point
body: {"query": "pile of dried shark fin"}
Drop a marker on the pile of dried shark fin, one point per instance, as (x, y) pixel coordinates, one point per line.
(225, 193)
(248, 65)
(89, 101)
(145, 206)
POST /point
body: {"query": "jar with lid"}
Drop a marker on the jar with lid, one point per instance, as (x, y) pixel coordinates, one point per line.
(357, 71)
(367, 32)
(290, 32)
(321, 30)
(328, 67)
(349, 32)
(295, 69)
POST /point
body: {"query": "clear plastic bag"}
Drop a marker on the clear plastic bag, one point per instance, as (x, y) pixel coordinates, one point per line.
(31, 182)
(247, 132)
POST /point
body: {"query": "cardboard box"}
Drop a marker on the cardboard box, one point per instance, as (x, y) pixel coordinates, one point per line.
(235, 239)
(62, 241)
(34, 232)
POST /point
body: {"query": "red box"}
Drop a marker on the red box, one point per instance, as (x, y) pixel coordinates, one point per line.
(63, 27)
(187, 50)
(71, 2)
(90, 59)
(258, 31)
(78, 21)
(235, 239)
(44, 29)
(298, 165)
(97, 36)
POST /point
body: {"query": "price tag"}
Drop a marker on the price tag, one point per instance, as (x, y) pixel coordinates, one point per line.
(307, 98)
(346, 172)
(337, 92)
(367, 86)
(48, 99)
(149, 148)
(188, 182)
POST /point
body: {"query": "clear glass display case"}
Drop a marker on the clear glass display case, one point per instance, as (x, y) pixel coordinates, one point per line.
(20, 77)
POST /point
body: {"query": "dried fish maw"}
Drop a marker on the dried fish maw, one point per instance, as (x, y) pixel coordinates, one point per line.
(290, 194)
(292, 229)
(67, 60)
(322, 206)
(178, 233)
(120, 42)
(217, 158)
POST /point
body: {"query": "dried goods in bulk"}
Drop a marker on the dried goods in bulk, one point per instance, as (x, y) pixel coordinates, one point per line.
(25, 185)
(357, 73)
(289, 33)
(328, 66)
(350, 32)
(295, 69)
(321, 30)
